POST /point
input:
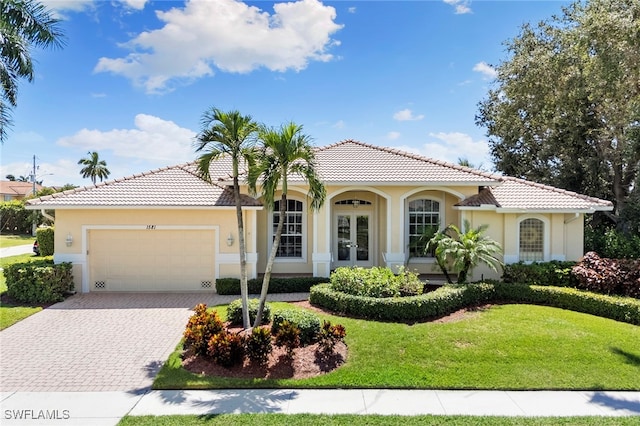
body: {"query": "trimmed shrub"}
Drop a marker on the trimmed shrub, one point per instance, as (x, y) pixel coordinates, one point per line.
(231, 286)
(288, 335)
(608, 276)
(554, 273)
(202, 325)
(234, 312)
(450, 298)
(624, 309)
(259, 345)
(45, 237)
(375, 282)
(226, 349)
(307, 322)
(39, 281)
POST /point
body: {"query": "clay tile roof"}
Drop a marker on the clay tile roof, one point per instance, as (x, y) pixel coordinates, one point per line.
(352, 161)
(522, 194)
(519, 194)
(483, 197)
(175, 186)
(17, 189)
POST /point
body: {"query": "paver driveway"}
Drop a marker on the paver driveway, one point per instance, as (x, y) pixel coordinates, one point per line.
(97, 342)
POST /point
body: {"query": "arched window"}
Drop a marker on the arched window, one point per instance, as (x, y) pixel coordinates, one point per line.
(531, 237)
(424, 221)
(291, 241)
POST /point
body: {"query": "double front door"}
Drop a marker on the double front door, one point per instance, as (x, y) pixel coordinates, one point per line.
(352, 239)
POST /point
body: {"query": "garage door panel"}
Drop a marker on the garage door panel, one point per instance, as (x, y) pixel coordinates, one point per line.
(151, 260)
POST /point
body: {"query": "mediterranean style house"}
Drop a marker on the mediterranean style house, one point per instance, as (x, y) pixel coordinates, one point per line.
(168, 230)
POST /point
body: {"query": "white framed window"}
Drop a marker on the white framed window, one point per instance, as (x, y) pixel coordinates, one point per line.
(292, 240)
(424, 217)
(531, 237)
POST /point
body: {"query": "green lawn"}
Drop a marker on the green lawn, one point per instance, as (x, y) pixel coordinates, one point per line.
(504, 347)
(15, 240)
(10, 313)
(366, 420)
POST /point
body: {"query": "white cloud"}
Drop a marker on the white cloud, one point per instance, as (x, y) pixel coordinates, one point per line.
(68, 5)
(339, 124)
(51, 174)
(486, 70)
(352, 9)
(227, 35)
(393, 135)
(135, 4)
(461, 6)
(407, 115)
(451, 146)
(152, 139)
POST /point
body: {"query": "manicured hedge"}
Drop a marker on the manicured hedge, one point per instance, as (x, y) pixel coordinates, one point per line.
(450, 298)
(234, 312)
(45, 237)
(307, 322)
(231, 286)
(554, 273)
(38, 282)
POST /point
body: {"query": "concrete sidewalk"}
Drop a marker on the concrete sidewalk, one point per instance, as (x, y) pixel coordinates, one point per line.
(107, 408)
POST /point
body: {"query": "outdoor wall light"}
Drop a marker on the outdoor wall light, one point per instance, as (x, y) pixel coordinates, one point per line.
(230, 239)
(355, 203)
(69, 239)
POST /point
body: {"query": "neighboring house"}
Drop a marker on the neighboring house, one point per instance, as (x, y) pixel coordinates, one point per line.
(14, 190)
(169, 230)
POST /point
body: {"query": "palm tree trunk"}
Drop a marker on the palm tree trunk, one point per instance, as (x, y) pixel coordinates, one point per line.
(244, 287)
(272, 258)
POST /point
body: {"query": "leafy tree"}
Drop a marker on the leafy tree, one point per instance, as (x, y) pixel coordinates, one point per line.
(233, 134)
(10, 178)
(565, 109)
(285, 151)
(465, 250)
(94, 167)
(23, 24)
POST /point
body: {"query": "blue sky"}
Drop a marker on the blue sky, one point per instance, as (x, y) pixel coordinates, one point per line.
(136, 76)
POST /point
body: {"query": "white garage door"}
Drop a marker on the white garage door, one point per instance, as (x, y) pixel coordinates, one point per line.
(151, 260)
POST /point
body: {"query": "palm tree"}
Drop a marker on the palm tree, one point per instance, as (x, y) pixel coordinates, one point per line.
(467, 249)
(233, 134)
(94, 167)
(285, 151)
(23, 24)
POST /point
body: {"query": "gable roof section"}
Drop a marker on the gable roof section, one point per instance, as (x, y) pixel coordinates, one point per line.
(518, 194)
(356, 162)
(17, 189)
(175, 186)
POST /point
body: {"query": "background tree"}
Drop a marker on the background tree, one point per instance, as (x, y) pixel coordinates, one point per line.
(23, 24)
(94, 167)
(10, 178)
(233, 134)
(565, 109)
(285, 151)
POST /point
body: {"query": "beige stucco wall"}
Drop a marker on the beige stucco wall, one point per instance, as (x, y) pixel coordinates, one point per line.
(77, 222)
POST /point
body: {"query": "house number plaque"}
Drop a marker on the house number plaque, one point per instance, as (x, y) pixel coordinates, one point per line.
(151, 227)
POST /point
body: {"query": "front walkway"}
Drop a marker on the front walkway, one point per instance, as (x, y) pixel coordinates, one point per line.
(99, 342)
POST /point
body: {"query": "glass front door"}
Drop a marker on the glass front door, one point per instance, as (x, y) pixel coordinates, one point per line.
(352, 240)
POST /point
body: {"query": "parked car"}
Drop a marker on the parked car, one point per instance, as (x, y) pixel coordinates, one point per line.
(36, 248)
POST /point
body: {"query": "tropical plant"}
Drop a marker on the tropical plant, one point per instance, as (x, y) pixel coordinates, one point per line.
(285, 151)
(465, 250)
(23, 24)
(94, 167)
(229, 134)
